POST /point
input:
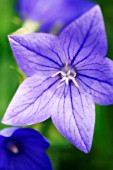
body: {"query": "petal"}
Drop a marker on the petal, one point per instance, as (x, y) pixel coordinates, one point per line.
(97, 80)
(37, 156)
(32, 101)
(3, 159)
(7, 132)
(32, 153)
(28, 160)
(31, 137)
(57, 13)
(37, 53)
(74, 117)
(85, 39)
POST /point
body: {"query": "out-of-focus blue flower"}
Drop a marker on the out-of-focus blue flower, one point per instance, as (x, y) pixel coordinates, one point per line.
(67, 74)
(52, 13)
(23, 149)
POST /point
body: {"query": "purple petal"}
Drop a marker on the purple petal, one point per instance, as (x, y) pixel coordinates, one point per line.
(97, 79)
(74, 117)
(37, 53)
(31, 146)
(7, 132)
(28, 136)
(85, 39)
(29, 160)
(33, 101)
(3, 159)
(52, 13)
(37, 157)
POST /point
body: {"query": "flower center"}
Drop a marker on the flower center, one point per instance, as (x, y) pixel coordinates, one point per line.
(12, 147)
(67, 74)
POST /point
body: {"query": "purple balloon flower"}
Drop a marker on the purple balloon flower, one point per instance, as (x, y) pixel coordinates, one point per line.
(67, 74)
(52, 13)
(23, 149)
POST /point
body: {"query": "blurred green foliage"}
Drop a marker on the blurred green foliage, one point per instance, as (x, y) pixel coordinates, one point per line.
(63, 155)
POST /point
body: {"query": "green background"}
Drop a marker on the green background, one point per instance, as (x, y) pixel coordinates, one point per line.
(64, 156)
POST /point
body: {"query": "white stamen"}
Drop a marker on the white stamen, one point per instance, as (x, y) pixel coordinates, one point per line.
(67, 75)
(74, 81)
(60, 85)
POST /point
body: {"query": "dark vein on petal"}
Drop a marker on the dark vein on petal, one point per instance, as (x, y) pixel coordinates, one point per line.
(101, 71)
(35, 99)
(91, 87)
(41, 55)
(69, 47)
(72, 105)
(48, 101)
(90, 64)
(84, 41)
(65, 95)
(57, 56)
(87, 55)
(89, 77)
(34, 62)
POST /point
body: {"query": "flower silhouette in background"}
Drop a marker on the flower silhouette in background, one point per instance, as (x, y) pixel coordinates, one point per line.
(23, 149)
(67, 75)
(52, 14)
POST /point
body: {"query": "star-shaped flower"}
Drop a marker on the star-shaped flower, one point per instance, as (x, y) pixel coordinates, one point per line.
(67, 74)
(23, 149)
(52, 14)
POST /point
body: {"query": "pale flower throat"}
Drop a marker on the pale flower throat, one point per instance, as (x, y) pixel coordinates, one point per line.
(67, 74)
(14, 149)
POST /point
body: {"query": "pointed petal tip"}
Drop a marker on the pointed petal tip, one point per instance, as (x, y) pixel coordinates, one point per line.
(10, 37)
(10, 121)
(6, 121)
(84, 148)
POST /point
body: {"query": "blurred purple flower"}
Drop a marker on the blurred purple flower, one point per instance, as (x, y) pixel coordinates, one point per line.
(66, 76)
(52, 13)
(23, 149)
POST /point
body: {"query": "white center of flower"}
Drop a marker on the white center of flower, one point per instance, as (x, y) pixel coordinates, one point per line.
(67, 74)
(14, 149)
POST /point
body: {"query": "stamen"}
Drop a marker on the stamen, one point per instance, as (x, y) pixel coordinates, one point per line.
(56, 74)
(59, 72)
(66, 65)
(75, 82)
(67, 75)
(60, 85)
(73, 73)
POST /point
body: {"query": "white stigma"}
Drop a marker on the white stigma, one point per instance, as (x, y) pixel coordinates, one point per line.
(67, 75)
(14, 149)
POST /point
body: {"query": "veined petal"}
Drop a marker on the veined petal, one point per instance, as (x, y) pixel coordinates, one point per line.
(97, 80)
(74, 117)
(85, 39)
(33, 101)
(37, 53)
